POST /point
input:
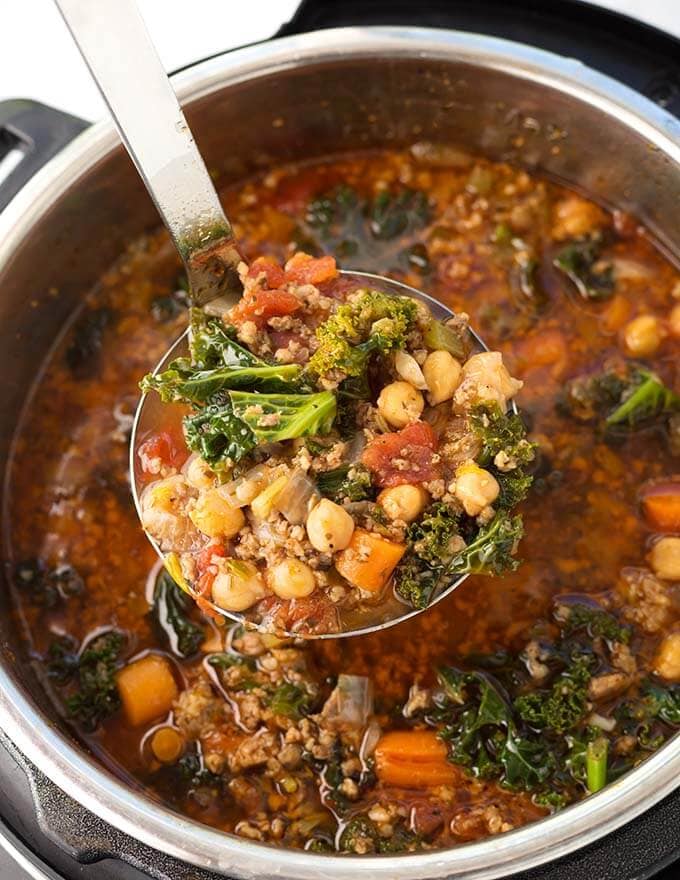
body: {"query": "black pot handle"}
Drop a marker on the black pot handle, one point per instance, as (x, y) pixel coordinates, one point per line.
(32, 133)
(635, 53)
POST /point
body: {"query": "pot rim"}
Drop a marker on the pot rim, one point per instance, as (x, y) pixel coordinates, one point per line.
(68, 765)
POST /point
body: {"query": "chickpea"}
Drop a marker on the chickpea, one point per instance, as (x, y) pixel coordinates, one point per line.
(405, 502)
(674, 320)
(292, 579)
(475, 488)
(400, 404)
(329, 527)
(667, 660)
(199, 474)
(665, 558)
(237, 586)
(215, 517)
(642, 336)
(442, 373)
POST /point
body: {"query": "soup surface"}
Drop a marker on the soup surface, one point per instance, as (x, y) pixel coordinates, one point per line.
(512, 698)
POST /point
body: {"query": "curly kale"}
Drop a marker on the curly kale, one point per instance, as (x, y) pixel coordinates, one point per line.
(645, 399)
(581, 262)
(491, 551)
(97, 695)
(482, 734)
(171, 607)
(564, 704)
(382, 229)
(500, 432)
(621, 396)
(431, 547)
(432, 537)
(217, 362)
(433, 556)
(373, 322)
(290, 700)
(231, 429)
(594, 620)
(349, 482)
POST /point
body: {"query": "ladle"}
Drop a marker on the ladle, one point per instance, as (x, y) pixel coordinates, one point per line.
(123, 61)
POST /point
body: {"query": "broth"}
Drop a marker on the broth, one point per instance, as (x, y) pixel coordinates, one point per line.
(486, 248)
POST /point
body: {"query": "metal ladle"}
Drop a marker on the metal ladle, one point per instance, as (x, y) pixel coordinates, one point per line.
(123, 61)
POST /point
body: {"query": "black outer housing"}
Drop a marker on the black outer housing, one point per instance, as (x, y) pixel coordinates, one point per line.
(57, 835)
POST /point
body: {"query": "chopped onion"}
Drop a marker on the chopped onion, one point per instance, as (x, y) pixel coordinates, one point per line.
(600, 721)
(408, 369)
(355, 447)
(369, 741)
(630, 270)
(243, 489)
(351, 702)
(297, 498)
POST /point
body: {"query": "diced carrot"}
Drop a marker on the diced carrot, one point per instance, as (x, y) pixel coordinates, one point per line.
(413, 759)
(167, 744)
(369, 560)
(305, 269)
(147, 689)
(661, 505)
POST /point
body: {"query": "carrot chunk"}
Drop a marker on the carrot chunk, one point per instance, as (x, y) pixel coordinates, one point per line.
(147, 689)
(305, 269)
(369, 560)
(661, 505)
(413, 759)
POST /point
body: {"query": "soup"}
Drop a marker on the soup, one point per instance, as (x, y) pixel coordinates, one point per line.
(511, 698)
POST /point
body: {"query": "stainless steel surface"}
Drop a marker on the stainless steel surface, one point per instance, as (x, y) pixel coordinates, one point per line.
(311, 96)
(146, 421)
(154, 130)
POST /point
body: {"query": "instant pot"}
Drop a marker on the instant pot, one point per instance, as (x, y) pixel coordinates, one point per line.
(582, 94)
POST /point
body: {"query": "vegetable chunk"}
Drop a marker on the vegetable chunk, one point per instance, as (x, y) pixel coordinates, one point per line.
(369, 560)
(147, 689)
(413, 759)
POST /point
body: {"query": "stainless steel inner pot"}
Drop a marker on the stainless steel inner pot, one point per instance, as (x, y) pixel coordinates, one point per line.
(291, 99)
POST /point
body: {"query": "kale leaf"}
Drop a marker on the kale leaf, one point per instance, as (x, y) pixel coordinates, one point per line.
(373, 322)
(622, 396)
(217, 435)
(500, 432)
(595, 620)
(97, 695)
(290, 700)
(580, 262)
(415, 581)
(231, 429)
(491, 551)
(217, 362)
(348, 482)
(380, 231)
(170, 610)
(564, 704)
(645, 399)
(432, 536)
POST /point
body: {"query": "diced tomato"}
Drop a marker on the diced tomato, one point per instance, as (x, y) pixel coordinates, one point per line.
(268, 271)
(338, 287)
(305, 269)
(308, 616)
(163, 448)
(260, 305)
(205, 569)
(403, 457)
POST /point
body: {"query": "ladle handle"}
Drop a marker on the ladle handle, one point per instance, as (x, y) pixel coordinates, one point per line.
(123, 61)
